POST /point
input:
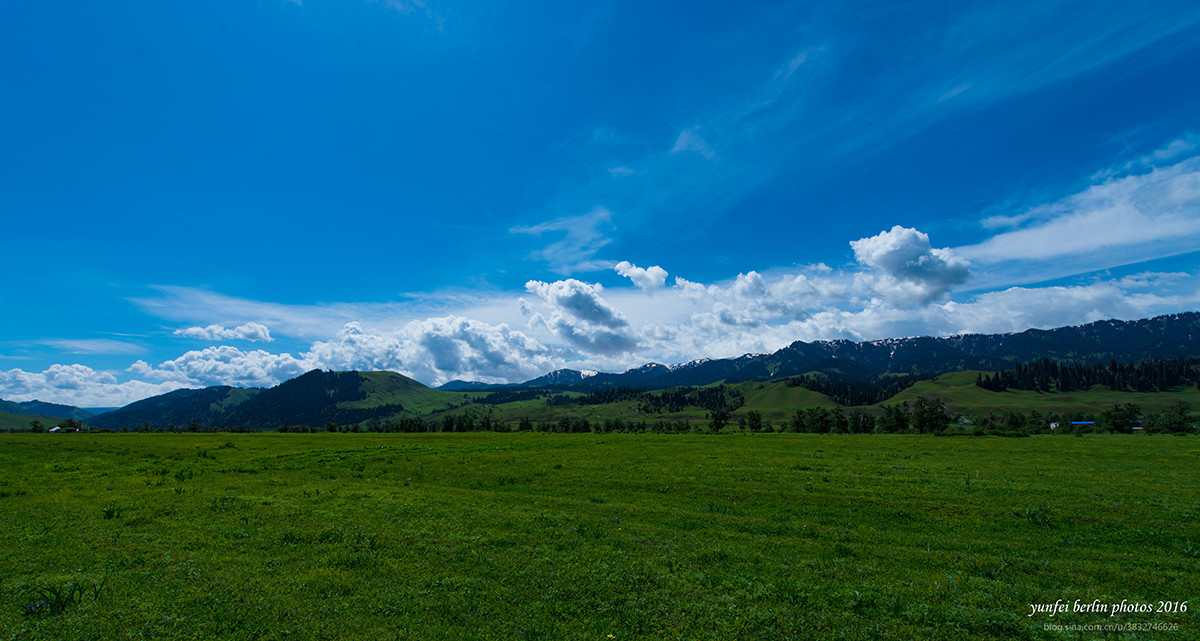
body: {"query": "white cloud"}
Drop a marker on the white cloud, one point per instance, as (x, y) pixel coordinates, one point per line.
(1174, 150)
(253, 332)
(432, 350)
(592, 340)
(225, 365)
(585, 326)
(436, 350)
(582, 238)
(1120, 221)
(909, 269)
(652, 277)
(77, 385)
(579, 300)
(580, 316)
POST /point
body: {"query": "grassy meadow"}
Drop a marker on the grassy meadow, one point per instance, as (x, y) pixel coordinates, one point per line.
(548, 536)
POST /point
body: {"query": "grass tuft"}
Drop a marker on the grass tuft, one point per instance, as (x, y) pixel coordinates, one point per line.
(1036, 516)
(55, 598)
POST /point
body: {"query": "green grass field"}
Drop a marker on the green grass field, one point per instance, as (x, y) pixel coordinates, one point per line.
(540, 536)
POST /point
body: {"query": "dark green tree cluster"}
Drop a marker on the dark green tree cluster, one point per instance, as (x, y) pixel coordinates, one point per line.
(712, 399)
(603, 396)
(1124, 418)
(1176, 419)
(926, 415)
(1047, 375)
(502, 396)
(751, 421)
(1014, 423)
(847, 391)
(820, 420)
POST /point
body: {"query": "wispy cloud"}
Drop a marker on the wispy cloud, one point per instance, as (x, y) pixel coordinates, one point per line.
(94, 346)
(581, 237)
(194, 305)
(414, 7)
(1118, 222)
(824, 106)
(689, 140)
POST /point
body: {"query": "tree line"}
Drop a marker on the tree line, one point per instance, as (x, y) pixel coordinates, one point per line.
(1046, 375)
(718, 398)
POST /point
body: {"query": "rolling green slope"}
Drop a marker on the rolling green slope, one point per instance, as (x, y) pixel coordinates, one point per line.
(389, 388)
(10, 422)
(776, 400)
(960, 394)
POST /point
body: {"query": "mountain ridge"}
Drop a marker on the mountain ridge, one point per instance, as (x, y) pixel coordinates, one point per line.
(43, 409)
(1157, 337)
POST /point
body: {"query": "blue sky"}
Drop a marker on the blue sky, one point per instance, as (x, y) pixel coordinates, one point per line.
(233, 192)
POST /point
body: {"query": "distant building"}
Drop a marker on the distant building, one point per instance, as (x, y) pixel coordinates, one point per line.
(1054, 426)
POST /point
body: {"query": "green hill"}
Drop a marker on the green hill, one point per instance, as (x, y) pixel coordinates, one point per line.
(345, 398)
(206, 406)
(777, 400)
(10, 422)
(960, 394)
(389, 389)
(41, 409)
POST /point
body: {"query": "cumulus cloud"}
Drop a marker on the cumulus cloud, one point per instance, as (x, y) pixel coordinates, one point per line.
(588, 338)
(579, 324)
(225, 365)
(752, 300)
(254, 332)
(77, 385)
(432, 350)
(579, 300)
(907, 269)
(647, 279)
(580, 316)
(437, 350)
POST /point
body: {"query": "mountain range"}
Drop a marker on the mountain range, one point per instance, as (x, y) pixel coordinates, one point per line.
(1095, 343)
(320, 397)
